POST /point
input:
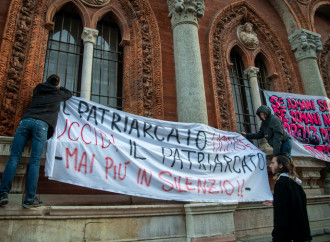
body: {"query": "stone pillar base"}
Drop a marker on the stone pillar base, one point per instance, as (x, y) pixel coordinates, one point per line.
(309, 171)
(210, 221)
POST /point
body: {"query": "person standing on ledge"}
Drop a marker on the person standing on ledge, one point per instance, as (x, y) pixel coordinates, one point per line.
(272, 129)
(38, 124)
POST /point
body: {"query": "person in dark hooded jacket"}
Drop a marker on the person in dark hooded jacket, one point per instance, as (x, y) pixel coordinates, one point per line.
(272, 129)
(38, 124)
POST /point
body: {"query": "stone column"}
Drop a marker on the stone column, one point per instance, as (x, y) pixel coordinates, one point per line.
(191, 101)
(256, 100)
(89, 37)
(305, 45)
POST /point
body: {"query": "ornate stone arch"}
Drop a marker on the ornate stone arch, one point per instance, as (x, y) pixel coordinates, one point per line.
(24, 45)
(324, 63)
(142, 54)
(271, 70)
(313, 6)
(241, 50)
(21, 60)
(296, 11)
(267, 60)
(143, 93)
(119, 18)
(220, 30)
(56, 5)
(324, 58)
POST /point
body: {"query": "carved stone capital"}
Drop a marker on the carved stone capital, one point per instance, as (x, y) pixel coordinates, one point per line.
(185, 11)
(251, 71)
(89, 35)
(305, 44)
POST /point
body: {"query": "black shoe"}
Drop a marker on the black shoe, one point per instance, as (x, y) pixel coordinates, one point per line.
(3, 199)
(32, 204)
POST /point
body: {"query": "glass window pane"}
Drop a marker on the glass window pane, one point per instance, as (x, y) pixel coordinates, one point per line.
(107, 65)
(263, 81)
(64, 50)
(240, 85)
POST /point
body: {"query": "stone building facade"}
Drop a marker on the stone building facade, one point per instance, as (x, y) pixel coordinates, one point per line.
(231, 48)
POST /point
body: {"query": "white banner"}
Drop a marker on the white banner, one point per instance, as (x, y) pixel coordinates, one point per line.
(306, 119)
(102, 148)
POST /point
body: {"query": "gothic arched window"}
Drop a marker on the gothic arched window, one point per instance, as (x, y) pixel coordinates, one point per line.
(263, 81)
(64, 49)
(107, 87)
(244, 110)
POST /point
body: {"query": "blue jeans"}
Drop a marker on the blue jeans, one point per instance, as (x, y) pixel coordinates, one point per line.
(286, 147)
(37, 131)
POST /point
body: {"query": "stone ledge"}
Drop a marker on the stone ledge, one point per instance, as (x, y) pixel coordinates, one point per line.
(318, 199)
(18, 212)
(319, 231)
(221, 238)
(141, 210)
(258, 205)
(250, 205)
(118, 211)
(77, 212)
(209, 208)
(257, 239)
(111, 199)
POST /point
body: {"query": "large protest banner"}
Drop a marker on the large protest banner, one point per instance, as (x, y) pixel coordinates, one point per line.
(306, 119)
(102, 148)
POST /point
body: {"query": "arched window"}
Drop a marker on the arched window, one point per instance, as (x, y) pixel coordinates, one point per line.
(107, 87)
(244, 110)
(263, 81)
(64, 49)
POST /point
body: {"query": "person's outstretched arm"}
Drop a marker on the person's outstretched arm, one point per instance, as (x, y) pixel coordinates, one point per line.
(258, 135)
(64, 94)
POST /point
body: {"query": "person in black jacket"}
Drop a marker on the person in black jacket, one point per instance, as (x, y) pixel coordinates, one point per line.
(272, 129)
(38, 124)
(290, 213)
